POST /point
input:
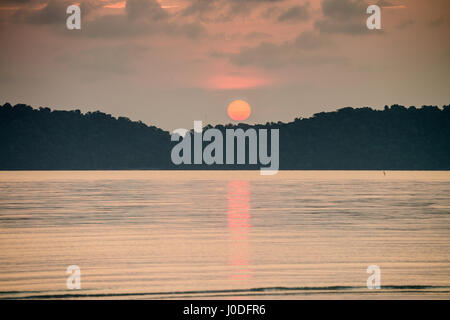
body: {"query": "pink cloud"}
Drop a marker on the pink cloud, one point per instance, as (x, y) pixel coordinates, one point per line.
(227, 82)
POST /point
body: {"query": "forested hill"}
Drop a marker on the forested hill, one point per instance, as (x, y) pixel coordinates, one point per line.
(45, 139)
(396, 138)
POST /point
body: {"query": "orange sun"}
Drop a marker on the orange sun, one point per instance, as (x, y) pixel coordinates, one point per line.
(239, 110)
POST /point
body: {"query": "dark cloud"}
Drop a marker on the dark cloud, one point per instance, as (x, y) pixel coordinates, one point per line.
(116, 26)
(17, 2)
(343, 9)
(141, 17)
(384, 3)
(343, 16)
(348, 27)
(266, 54)
(90, 6)
(223, 10)
(301, 51)
(245, 7)
(200, 7)
(310, 40)
(295, 13)
(148, 9)
(53, 12)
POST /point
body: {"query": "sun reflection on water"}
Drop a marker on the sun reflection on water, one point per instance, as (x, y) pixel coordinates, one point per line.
(238, 197)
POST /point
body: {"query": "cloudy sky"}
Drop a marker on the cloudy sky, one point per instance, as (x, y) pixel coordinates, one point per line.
(170, 62)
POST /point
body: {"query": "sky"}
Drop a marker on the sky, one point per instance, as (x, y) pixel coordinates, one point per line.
(170, 62)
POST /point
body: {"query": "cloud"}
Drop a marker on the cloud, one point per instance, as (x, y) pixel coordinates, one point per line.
(17, 2)
(301, 51)
(310, 40)
(343, 9)
(138, 18)
(48, 12)
(103, 60)
(142, 17)
(245, 7)
(200, 7)
(343, 16)
(117, 26)
(223, 10)
(53, 12)
(147, 9)
(295, 13)
(384, 3)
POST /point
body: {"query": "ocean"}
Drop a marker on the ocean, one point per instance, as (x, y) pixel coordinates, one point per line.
(225, 234)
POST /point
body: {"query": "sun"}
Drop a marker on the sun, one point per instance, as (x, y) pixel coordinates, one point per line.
(239, 110)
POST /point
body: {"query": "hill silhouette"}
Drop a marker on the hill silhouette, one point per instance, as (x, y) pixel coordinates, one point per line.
(396, 138)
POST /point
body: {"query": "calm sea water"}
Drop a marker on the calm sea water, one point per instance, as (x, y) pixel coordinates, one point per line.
(156, 234)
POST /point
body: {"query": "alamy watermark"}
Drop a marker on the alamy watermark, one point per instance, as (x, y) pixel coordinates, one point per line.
(213, 153)
(73, 22)
(374, 281)
(374, 20)
(74, 280)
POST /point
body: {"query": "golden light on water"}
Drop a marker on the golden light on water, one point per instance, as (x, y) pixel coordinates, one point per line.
(239, 228)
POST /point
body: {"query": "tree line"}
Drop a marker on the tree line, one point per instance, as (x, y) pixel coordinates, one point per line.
(396, 138)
